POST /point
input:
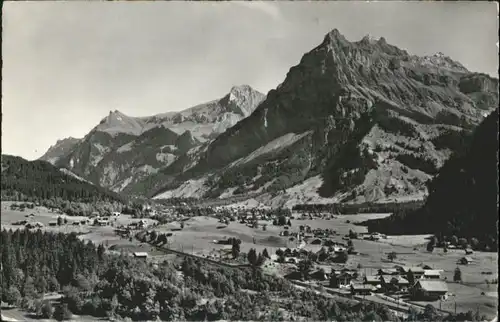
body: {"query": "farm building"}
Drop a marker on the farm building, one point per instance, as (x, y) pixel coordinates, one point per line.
(338, 249)
(141, 255)
(35, 225)
(416, 270)
(295, 275)
(318, 275)
(432, 274)
(393, 282)
(400, 282)
(101, 221)
(372, 280)
(388, 271)
(465, 260)
(316, 242)
(94, 214)
(430, 290)
(362, 289)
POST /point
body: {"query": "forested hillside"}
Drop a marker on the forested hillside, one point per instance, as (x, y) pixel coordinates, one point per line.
(102, 285)
(462, 198)
(24, 180)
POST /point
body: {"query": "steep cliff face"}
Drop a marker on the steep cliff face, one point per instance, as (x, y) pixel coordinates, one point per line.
(373, 122)
(122, 150)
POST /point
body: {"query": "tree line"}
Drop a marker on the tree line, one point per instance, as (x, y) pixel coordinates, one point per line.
(101, 285)
(24, 180)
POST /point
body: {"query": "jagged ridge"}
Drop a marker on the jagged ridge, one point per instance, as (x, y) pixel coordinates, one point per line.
(121, 149)
(373, 111)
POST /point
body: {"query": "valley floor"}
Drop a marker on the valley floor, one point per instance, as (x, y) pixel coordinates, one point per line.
(200, 233)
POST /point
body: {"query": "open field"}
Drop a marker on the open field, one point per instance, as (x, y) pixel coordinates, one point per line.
(199, 233)
(15, 314)
(96, 234)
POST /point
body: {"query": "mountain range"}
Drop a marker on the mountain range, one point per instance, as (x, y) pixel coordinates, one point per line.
(121, 150)
(360, 121)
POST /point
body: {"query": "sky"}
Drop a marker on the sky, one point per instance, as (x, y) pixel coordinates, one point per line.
(67, 64)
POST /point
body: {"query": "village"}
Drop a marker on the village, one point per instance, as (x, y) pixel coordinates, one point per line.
(324, 251)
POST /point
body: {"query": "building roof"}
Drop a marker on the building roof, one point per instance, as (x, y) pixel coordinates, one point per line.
(432, 272)
(388, 271)
(400, 280)
(433, 286)
(362, 287)
(372, 279)
(386, 278)
(414, 269)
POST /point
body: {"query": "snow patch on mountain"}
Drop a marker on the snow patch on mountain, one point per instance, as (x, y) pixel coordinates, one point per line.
(194, 188)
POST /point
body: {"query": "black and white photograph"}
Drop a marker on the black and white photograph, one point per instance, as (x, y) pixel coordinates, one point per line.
(249, 161)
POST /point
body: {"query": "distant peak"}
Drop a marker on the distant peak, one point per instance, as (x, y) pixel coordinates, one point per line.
(367, 40)
(241, 88)
(335, 36)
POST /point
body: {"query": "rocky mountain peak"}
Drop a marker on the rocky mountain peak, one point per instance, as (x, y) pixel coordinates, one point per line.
(243, 99)
(117, 122)
(61, 147)
(335, 39)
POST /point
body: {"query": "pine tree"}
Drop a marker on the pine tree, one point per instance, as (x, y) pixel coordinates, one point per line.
(457, 276)
(252, 257)
(334, 282)
(235, 250)
(265, 253)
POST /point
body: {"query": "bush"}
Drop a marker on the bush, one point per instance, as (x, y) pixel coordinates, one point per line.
(62, 313)
(46, 310)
